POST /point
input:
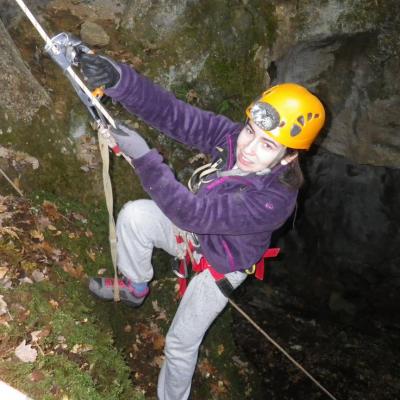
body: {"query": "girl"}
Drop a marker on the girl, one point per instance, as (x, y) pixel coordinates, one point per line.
(224, 223)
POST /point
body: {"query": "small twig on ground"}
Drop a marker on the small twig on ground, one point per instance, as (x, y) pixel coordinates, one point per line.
(11, 183)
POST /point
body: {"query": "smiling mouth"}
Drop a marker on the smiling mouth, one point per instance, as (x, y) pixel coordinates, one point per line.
(244, 160)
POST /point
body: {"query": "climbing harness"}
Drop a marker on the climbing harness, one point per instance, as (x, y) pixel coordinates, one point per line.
(198, 263)
(63, 50)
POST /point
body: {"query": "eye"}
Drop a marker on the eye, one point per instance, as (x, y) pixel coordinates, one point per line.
(249, 131)
(266, 145)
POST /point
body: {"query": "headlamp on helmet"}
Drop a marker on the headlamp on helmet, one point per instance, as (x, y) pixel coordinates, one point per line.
(289, 113)
(264, 116)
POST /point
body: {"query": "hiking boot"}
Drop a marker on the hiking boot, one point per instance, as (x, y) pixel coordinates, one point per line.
(103, 288)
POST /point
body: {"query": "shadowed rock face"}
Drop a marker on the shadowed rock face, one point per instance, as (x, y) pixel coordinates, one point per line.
(357, 83)
(346, 237)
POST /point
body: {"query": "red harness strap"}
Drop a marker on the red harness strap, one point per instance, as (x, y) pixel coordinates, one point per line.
(260, 269)
(203, 264)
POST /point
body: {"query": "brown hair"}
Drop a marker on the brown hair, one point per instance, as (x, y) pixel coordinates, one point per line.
(293, 176)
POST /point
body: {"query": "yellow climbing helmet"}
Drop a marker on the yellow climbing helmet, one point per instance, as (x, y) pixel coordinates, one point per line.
(290, 114)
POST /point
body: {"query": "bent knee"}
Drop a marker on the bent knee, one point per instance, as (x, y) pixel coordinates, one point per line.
(135, 210)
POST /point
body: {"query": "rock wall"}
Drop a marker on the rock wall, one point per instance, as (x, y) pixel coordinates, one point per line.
(21, 94)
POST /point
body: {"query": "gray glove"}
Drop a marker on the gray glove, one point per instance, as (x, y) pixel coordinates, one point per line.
(129, 141)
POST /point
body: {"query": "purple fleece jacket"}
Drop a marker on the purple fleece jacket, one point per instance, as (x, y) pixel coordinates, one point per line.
(234, 216)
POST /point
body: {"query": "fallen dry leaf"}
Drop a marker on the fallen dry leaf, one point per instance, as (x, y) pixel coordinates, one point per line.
(3, 306)
(35, 234)
(157, 361)
(71, 269)
(25, 352)
(91, 254)
(36, 376)
(81, 348)
(3, 272)
(43, 222)
(26, 279)
(218, 389)
(192, 96)
(35, 335)
(162, 316)
(79, 217)
(206, 369)
(38, 335)
(155, 305)
(50, 209)
(54, 303)
(89, 234)
(10, 231)
(38, 276)
(158, 342)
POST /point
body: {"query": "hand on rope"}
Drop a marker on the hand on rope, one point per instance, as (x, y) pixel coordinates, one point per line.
(100, 71)
(128, 141)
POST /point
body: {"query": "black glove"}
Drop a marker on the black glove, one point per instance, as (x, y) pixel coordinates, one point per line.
(129, 141)
(99, 70)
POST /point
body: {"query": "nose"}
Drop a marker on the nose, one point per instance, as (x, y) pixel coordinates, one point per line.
(250, 148)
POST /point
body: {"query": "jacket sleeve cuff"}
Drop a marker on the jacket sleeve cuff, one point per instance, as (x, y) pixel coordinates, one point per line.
(125, 85)
(145, 162)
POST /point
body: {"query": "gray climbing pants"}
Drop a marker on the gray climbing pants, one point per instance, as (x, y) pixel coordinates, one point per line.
(141, 226)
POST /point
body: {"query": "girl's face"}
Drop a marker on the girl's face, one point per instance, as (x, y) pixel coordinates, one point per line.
(256, 151)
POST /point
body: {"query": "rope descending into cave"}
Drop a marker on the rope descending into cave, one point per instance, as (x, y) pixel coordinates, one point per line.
(280, 348)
